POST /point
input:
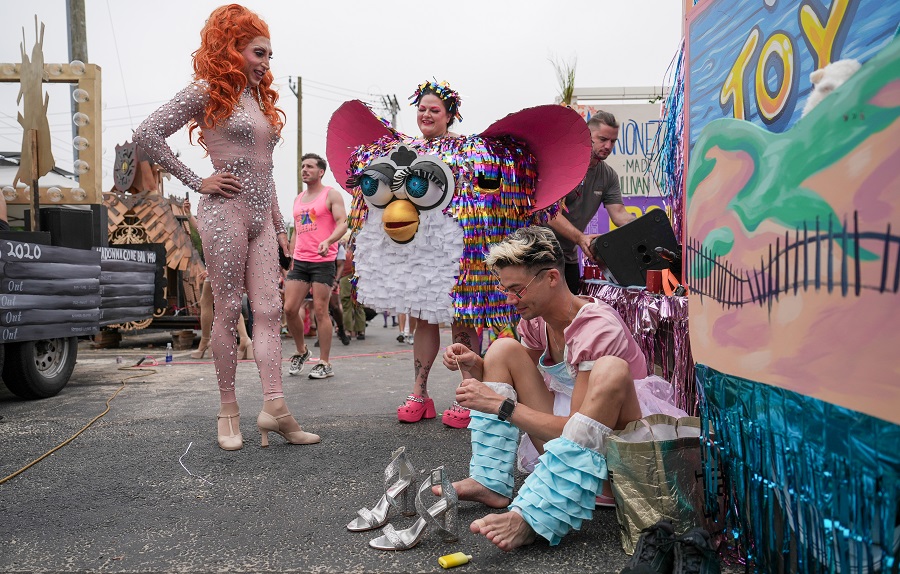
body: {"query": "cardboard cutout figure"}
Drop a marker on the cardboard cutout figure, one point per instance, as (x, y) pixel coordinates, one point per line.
(34, 106)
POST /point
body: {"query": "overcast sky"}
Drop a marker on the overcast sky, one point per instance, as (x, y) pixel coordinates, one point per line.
(495, 53)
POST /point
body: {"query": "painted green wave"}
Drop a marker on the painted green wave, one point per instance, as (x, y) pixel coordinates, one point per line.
(782, 161)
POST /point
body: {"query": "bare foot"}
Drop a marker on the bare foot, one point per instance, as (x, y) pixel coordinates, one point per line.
(506, 531)
(470, 489)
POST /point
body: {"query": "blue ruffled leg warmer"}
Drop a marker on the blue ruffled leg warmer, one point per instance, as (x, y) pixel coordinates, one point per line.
(494, 444)
(562, 490)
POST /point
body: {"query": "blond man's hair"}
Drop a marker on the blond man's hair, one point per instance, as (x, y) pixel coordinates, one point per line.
(530, 247)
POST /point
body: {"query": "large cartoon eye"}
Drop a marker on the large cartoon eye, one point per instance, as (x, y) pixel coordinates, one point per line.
(376, 186)
(417, 185)
(426, 185)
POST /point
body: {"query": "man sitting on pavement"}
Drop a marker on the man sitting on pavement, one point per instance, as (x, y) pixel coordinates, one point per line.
(577, 375)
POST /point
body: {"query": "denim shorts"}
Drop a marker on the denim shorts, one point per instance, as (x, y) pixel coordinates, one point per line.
(313, 272)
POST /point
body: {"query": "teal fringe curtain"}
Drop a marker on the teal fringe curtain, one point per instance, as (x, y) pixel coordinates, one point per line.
(809, 486)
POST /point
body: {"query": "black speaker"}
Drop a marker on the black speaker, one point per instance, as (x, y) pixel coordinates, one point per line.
(68, 227)
(629, 251)
(101, 225)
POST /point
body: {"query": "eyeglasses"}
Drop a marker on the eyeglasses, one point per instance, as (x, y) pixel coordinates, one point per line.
(521, 292)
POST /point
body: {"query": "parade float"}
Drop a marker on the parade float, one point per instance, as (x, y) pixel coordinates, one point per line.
(791, 251)
(59, 278)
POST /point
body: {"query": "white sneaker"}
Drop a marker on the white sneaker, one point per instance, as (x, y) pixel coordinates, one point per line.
(297, 363)
(321, 371)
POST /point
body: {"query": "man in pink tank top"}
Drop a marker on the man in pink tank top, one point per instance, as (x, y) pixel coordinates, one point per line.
(320, 220)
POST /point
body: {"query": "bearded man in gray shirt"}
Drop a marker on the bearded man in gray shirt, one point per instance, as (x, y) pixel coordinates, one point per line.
(600, 185)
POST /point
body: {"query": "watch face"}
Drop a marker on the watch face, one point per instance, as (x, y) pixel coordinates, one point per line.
(506, 409)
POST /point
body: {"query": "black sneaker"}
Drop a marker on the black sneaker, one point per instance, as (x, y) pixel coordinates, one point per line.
(297, 362)
(344, 337)
(694, 554)
(655, 550)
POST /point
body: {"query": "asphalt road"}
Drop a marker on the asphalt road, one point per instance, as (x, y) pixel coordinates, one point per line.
(117, 498)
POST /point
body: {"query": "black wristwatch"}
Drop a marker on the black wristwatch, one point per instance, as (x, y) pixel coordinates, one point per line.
(506, 409)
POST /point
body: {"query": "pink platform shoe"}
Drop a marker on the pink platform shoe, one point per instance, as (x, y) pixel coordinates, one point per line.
(604, 501)
(457, 416)
(415, 409)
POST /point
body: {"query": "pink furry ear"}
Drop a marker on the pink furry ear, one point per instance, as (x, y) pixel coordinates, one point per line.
(352, 125)
(816, 76)
(561, 143)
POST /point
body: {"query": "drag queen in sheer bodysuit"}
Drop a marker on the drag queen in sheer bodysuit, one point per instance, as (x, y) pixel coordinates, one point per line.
(233, 105)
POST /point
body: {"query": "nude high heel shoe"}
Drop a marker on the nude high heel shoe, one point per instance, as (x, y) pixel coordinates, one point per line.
(201, 349)
(231, 441)
(267, 423)
(245, 349)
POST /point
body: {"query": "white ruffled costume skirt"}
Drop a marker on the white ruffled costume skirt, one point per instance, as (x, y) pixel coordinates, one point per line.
(416, 277)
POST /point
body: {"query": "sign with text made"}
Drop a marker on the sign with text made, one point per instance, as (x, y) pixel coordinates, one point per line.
(630, 158)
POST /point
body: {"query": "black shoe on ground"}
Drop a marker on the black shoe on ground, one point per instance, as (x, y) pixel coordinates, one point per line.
(655, 550)
(694, 554)
(361, 337)
(345, 339)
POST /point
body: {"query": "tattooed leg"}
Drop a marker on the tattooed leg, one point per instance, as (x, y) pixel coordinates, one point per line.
(425, 349)
(421, 373)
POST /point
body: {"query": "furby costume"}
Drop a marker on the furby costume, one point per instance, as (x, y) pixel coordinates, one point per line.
(424, 212)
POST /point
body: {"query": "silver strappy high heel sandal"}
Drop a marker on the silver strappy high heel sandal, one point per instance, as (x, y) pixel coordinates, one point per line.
(441, 515)
(403, 488)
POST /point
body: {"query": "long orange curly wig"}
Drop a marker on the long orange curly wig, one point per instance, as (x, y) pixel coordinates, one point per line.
(228, 30)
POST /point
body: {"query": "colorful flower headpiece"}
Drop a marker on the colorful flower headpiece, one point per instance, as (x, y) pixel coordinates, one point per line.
(444, 92)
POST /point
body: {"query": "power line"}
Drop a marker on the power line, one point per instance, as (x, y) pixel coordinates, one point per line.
(18, 129)
(119, 60)
(340, 88)
(105, 108)
(305, 93)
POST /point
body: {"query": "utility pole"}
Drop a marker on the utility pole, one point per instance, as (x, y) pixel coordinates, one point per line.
(390, 105)
(297, 87)
(77, 51)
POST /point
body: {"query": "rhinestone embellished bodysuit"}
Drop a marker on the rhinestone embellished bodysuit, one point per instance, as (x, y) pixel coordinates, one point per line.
(239, 234)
